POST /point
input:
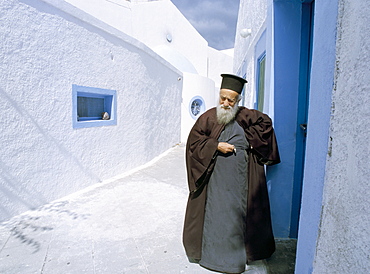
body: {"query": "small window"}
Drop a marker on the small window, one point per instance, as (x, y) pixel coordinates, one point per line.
(196, 107)
(261, 69)
(93, 107)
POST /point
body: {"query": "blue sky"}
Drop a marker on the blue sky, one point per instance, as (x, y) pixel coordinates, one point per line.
(215, 20)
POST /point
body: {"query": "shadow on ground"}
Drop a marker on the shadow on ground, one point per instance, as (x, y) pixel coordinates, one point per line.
(283, 260)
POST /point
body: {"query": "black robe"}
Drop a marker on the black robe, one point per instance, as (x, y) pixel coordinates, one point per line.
(201, 154)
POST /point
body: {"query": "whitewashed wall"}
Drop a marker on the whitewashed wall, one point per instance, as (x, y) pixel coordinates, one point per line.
(43, 51)
(194, 86)
(343, 243)
(255, 20)
(152, 22)
(162, 27)
(205, 87)
(155, 21)
(116, 13)
(219, 62)
(252, 15)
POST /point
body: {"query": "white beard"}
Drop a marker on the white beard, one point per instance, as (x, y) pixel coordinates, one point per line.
(226, 115)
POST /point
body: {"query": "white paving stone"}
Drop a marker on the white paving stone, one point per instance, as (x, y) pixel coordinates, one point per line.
(132, 224)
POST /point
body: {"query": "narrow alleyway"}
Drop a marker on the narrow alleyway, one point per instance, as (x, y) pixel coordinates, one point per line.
(130, 224)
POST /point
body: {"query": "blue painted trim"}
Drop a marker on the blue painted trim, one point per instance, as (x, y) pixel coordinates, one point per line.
(110, 105)
(321, 88)
(202, 106)
(304, 86)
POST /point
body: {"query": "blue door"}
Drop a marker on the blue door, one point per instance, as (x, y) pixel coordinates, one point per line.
(303, 95)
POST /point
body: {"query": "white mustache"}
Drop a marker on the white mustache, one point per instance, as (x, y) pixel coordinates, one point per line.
(225, 107)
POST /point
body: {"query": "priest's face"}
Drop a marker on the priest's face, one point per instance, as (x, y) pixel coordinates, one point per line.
(228, 106)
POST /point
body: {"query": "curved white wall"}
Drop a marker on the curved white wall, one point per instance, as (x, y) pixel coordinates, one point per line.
(175, 58)
(116, 13)
(195, 85)
(45, 49)
(152, 22)
(219, 62)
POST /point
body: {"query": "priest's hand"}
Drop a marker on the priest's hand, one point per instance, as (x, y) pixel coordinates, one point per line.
(225, 147)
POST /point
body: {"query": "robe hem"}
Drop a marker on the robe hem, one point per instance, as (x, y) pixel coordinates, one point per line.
(257, 257)
(193, 260)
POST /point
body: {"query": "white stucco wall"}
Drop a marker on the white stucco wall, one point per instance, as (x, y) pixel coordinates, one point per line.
(163, 28)
(252, 15)
(219, 62)
(168, 20)
(193, 86)
(116, 13)
(151, 22)
(343, 243)
(43, 51)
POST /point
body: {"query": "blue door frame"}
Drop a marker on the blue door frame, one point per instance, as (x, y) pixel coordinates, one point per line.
(292, 24)
(302, 115)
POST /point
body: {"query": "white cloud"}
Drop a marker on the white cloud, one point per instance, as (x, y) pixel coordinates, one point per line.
(214, 20)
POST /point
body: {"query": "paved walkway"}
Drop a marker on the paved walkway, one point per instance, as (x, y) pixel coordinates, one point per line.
(130, 224)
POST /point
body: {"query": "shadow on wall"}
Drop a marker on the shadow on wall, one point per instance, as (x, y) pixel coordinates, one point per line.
(12, 186)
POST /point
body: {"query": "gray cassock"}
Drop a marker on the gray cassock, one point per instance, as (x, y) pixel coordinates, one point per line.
(223, 244)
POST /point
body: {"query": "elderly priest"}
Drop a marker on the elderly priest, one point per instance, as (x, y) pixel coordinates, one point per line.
(227, 222)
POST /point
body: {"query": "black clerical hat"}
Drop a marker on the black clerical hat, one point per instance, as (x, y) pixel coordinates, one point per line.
(233, 82)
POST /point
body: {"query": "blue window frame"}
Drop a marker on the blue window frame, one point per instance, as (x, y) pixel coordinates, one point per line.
(196, 107)
(93, 107)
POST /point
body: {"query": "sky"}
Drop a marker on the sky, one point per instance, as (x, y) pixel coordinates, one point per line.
(215, 20)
